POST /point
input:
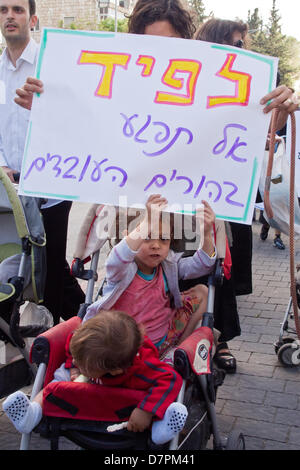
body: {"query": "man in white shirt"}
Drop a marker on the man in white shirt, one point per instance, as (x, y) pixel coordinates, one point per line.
(17, 61)
(17, 18)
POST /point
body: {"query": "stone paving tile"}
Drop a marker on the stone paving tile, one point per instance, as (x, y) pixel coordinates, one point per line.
(261, 383)
(250, 410)
(262, 429)
(259, 348)
(288, 373)
(294, 436)
(274, 445)
(282, 400)
(256, 370)
(257, 321)
(288, 417)
(242, 356)
(242, 394)
(269, 339)
(292, 387)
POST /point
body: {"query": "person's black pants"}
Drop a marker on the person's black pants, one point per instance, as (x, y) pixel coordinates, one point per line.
(62, 295)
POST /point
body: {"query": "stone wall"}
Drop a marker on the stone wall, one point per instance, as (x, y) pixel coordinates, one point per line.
(86, 14)
(53, 13)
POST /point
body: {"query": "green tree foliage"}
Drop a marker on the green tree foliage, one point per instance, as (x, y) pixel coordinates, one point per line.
(109, 25)
(268, 39)
(105, 25)
(255, 24)
(197, 8)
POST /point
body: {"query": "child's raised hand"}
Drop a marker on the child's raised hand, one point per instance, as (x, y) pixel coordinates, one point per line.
(206, 217)
(139, 420)
(154, 206)
(155, 203)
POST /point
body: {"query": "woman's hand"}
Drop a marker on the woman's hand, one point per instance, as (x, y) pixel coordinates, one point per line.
(284, 99)
(25, 94)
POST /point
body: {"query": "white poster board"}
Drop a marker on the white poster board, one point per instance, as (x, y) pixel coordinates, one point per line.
(297, 150)
(124, 116)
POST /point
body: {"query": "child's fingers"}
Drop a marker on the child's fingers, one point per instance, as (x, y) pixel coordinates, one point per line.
(156, 201)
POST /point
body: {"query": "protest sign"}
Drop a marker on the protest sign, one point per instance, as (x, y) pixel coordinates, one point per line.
(124, 116)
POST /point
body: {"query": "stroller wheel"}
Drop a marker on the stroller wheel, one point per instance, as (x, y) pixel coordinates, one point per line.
(235, 441)
(286, 340)
(288, 354)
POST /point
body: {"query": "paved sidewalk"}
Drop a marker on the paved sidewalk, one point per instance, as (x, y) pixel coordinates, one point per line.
(263, 398)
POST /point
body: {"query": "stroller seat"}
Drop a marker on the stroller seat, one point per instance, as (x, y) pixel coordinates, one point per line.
(82, 411)
(68, 409)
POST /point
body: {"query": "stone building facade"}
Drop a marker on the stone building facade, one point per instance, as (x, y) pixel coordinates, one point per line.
(85, 14)
(82, 13)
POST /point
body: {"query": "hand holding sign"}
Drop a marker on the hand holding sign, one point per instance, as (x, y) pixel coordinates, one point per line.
(25, 94)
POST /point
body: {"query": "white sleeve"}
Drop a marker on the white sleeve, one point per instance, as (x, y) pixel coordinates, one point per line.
(3, 161)
(118, 261)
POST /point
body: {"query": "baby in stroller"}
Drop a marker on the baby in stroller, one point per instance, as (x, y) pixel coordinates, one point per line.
(91, 350)
(142, 263)
(142, 276)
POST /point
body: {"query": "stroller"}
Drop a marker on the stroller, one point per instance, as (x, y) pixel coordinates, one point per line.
(287, 347)
(22, 278)
(82, 421)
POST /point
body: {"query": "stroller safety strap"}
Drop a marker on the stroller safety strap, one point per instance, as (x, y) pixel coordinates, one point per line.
(63, 404)
(7, 291)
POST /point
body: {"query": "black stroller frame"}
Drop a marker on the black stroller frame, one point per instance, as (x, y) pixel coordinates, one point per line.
(29, 231)
(198, 392)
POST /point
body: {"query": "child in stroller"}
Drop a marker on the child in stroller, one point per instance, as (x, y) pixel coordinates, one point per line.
(142, 277)
(134, 364)
(85, 424)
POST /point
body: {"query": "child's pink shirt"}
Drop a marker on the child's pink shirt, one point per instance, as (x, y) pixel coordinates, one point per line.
(148, 303)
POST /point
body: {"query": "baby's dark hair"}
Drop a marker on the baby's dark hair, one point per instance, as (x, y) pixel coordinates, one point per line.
(221, 31)
(147, 12)
(107, 342)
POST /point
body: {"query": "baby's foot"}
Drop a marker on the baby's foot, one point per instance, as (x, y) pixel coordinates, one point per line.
(171, 424)
(24, 414)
